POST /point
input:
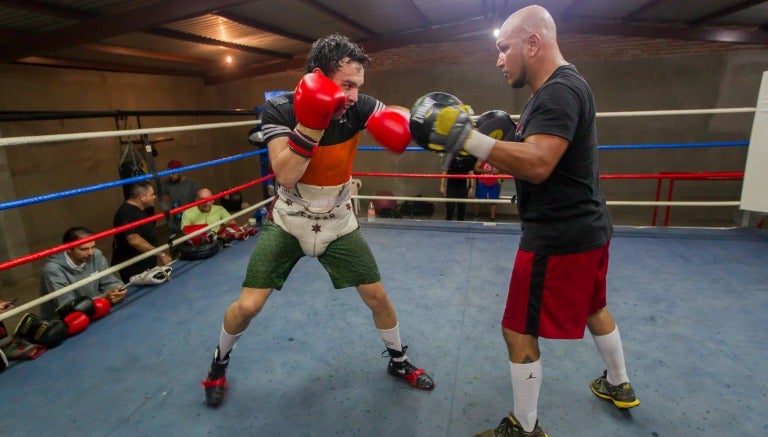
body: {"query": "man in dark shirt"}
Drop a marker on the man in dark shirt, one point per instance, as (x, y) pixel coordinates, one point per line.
(138, 240)
(457, 188)
(558, 284)
(180, 190)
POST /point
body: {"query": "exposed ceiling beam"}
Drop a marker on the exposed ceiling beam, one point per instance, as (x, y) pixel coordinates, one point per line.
(340, 17)
(664, 32)
(264, 27)
(255, 70)
(425, 36)
(48, 9)
(725, 11)
(418, 13)
(128, 51)
(98, 28)
(119, 68)
(434, 34)
(175, 34)
(571, 9)
(632, 16)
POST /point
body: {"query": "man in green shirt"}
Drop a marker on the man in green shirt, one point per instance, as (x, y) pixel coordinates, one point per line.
(205, 213)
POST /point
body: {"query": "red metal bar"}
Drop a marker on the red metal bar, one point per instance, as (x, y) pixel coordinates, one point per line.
(656, 207)
(669, 199)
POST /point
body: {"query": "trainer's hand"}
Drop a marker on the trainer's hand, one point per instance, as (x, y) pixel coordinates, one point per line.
(496, 124)
(442, 123)
(389, 127)
(316, 99)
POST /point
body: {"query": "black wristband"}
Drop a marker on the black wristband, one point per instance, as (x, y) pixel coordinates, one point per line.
(301, 144)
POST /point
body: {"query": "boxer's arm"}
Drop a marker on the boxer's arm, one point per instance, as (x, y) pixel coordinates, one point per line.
(287, 165)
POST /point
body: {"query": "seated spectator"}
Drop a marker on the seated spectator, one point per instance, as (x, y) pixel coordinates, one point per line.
(138, 240)
(64, 268)
(206, 213)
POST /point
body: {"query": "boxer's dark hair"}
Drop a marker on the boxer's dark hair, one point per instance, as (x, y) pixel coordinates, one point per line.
(328, 52)
(75, 233)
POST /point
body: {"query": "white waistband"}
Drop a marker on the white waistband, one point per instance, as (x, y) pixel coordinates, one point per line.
(316, 198)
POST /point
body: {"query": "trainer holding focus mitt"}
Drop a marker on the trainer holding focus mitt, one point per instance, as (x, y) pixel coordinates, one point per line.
(558, 283)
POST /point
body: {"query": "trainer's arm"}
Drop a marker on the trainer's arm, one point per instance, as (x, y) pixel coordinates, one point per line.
(287, 165)
(143, 246)
(532, 160)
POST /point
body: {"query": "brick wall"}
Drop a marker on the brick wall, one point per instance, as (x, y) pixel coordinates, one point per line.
(574, 47)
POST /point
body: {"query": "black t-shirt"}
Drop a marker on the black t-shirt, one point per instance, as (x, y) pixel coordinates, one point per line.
(567, 212)
(121, 250)
(460, 164)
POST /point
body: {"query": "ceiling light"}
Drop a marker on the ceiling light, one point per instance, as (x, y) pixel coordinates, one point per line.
(496, 33)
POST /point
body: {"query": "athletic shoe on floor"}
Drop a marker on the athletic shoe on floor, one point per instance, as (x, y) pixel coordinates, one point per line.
(622, 395)
(216, 383)
(415, 377)
(510, 427)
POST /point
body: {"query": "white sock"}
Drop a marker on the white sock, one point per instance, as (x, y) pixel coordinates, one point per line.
(526, 382)
(609, 347)
(227, 342)
(391, 338)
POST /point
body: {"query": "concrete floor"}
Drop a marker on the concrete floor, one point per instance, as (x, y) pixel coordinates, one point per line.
(691, 304)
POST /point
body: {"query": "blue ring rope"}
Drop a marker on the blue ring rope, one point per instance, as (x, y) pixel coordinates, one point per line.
(102, 186)
(98, 187)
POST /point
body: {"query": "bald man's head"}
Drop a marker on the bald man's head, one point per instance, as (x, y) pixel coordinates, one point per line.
(528, 20)
(203, 193)
(528, 50)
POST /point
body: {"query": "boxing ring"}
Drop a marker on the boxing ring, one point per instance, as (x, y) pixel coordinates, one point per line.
(690, 303)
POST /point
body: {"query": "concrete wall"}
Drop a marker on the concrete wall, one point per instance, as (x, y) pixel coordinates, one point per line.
(632, 80)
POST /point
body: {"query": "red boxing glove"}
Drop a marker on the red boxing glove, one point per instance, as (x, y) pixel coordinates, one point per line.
(390, 127)
(76, 323)
(315, 101)
(102, 308)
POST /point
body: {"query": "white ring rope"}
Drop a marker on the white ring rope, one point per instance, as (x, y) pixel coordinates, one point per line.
(39, 139)
(113, 269)
(506, 200)
(676, 112)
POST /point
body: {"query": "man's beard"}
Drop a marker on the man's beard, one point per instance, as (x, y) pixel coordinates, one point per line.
(521, 78)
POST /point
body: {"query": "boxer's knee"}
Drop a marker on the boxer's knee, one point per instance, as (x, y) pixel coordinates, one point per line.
(375, 297)
(250, 302)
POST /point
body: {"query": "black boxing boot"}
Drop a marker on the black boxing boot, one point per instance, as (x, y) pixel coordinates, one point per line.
(216, 383)
(400, 367)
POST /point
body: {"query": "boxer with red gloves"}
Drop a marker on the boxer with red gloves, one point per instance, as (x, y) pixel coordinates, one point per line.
(312, 135)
